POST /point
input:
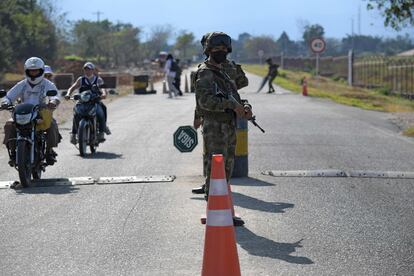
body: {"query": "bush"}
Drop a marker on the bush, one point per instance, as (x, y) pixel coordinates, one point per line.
(282, 75)
(385, 91)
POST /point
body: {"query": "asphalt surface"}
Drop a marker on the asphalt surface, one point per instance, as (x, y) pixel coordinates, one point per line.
(294, 226)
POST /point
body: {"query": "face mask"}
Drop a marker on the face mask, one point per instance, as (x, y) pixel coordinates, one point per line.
(219, 56)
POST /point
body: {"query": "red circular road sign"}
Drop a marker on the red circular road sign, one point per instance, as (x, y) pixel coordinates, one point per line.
(318, 45)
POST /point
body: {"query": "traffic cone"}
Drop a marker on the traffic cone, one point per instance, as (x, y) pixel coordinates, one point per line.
(220, 250)
(304, 87)
(164, 87)
(186, 85)
(237, 220)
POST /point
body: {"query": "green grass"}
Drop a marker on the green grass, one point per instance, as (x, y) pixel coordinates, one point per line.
(13, 77)
(409, 132)
(338, 91)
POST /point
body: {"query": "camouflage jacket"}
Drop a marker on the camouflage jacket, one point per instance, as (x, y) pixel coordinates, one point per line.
(216, 93)
(233, 71)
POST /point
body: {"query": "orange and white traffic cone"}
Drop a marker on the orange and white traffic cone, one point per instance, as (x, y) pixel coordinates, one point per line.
(220, 250)
(304, 87)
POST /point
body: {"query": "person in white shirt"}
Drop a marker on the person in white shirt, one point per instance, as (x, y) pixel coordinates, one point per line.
(33, 90)
(170, 73)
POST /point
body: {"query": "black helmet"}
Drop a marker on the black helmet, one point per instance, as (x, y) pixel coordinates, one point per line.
(216, 39)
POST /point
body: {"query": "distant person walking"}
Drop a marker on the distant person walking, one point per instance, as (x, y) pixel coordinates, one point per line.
(170, 73)
(271, 75)
(177, 80)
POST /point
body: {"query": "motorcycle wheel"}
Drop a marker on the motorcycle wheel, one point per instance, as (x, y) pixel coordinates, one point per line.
(83, 136)
(23, 163)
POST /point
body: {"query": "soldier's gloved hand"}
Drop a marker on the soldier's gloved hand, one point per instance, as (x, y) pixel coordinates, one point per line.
(239, 109)
(248, 114)
(197, 123)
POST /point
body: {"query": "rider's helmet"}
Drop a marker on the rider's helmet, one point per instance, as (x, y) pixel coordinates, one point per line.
(48, 72)
(89, 65)
(34, 63)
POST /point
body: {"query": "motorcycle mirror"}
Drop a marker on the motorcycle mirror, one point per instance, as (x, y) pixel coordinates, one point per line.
(76, 97)
(63, 93)
(3, 93)
(51, 93)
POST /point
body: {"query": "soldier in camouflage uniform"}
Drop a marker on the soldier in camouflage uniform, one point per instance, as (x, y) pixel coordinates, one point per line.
(236, 73)
(218, 103)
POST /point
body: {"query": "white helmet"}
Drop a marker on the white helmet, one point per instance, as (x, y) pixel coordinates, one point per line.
(34, 63)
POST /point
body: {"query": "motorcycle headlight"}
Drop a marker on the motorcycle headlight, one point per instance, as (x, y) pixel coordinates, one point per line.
(85, 97)
(23, 119)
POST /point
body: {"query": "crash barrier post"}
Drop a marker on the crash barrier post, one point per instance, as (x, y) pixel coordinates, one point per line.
(220, 251)
(241, 164)
(186, 84)
(141, 84)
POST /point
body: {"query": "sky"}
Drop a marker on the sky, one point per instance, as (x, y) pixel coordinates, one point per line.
(257, 17)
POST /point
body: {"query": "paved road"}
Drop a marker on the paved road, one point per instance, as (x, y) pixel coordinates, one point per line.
(295, 226)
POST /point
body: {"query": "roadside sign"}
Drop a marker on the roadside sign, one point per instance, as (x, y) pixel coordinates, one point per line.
(185, 138)
(318, 45)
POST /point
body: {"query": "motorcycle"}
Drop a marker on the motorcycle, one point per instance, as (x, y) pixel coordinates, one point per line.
(85, 109)
(30, 156)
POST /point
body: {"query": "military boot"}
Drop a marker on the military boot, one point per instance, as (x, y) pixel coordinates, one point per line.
(199, 190)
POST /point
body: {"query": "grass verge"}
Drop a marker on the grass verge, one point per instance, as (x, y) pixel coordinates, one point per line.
(338, 91)
(409, 132)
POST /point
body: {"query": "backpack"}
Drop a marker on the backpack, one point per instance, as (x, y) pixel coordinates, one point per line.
(174, 66)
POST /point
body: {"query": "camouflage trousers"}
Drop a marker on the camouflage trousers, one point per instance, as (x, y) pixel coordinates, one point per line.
(219, 138)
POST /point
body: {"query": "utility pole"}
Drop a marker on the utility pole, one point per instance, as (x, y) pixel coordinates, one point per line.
(98, 15)
(359, 20)
(352, 31)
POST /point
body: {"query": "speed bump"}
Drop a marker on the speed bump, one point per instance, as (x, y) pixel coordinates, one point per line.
(135, 179)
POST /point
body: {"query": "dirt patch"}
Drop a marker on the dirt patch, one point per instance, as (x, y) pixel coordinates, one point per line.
(403, 120)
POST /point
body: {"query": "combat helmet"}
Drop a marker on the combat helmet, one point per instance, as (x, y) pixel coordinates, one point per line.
(214, 39)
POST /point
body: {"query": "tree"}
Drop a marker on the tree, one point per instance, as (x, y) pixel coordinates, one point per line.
(361, 43)
(184, 42)
(264, 43)
(286, 45)
(397, 13)
(158, 40)
(312, 31)
(25, 31)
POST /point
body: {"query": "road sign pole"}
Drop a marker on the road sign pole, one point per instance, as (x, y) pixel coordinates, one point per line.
(317, 64)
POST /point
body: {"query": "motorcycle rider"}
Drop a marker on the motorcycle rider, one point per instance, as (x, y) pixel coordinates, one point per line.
(48, 73)
(85, 83)
(33, 90)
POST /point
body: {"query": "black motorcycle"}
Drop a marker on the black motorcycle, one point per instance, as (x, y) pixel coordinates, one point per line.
(30, 156)
(85, 110)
